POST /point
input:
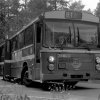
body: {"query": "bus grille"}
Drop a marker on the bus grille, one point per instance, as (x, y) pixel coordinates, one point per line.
(76, 76)
(69, 60)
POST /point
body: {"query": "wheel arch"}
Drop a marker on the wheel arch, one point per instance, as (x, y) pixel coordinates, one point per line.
(25, 65)
(27, 81)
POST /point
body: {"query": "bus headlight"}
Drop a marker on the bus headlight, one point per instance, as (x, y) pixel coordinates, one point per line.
(51, 67)
(98, 67)
(98, 59)
(51, 59)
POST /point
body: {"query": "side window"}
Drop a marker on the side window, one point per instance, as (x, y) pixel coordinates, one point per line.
(20, 40)
(2, 50)
(14, 43)
(29, 35)
(3, 53)
(8, 46)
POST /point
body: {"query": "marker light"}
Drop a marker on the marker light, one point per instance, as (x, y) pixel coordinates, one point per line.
(51, 59)
(98, 59)
(98, 67)
(51, 67)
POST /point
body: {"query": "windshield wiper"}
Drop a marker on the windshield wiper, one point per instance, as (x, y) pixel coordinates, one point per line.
(78, 35)
(85, 45)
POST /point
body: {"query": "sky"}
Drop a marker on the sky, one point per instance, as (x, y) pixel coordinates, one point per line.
(92, 4)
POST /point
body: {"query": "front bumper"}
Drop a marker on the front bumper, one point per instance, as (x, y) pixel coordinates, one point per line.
(66, 76)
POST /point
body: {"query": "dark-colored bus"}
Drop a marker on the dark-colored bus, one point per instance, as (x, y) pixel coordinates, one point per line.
(56, 47)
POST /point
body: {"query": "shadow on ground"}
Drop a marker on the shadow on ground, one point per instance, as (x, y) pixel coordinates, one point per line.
(82, 88)
(38, 85)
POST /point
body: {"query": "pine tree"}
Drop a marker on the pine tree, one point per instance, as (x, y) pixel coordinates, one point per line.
(97, 10)
(77, 5)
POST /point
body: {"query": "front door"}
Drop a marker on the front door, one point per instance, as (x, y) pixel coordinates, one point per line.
(38, 47)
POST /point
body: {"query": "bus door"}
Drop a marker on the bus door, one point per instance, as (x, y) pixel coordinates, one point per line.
(37, 50)
(7, 65)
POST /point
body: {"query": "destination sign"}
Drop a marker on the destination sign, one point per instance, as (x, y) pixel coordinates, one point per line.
(73, 15)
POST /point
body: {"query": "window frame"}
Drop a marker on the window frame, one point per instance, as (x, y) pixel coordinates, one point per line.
(73, 22)
(31, 27)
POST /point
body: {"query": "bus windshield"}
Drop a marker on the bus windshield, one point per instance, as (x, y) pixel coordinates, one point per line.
(69, 34)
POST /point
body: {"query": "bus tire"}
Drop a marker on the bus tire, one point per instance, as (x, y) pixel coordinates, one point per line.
(24, 77)
(45, 86)
(70, 85)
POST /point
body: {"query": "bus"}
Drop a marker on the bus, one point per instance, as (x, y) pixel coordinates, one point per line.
(2, 55)
(56, 47)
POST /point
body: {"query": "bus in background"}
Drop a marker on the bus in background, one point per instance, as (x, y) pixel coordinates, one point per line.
(56, 47)
(2, 54)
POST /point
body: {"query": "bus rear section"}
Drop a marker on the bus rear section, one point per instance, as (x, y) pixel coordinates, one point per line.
(2, 52)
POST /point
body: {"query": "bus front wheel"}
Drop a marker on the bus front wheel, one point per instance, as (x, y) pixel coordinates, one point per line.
(69, 85)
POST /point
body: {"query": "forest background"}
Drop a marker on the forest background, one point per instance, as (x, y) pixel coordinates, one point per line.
(14, 14)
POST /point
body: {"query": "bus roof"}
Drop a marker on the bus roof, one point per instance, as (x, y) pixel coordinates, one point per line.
(72, 15)
(69, 15)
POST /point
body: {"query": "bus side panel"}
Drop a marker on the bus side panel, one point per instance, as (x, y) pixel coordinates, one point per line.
(16, 68)
(7, 70)
(19, 57)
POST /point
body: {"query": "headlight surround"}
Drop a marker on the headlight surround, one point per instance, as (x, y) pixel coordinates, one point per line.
(98, 67)
(98, 59)
(51, 59)
(51, 67)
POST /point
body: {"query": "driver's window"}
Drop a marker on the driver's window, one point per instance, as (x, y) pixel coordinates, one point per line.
(64, 35)
(59, 33)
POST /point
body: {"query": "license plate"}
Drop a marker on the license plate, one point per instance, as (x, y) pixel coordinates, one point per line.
(61, 65)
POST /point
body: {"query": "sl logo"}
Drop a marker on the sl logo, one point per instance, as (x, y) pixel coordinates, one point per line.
(76, 63)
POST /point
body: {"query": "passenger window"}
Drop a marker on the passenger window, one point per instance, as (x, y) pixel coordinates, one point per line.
(15, 43)
(29, 35)
(8, 46)
(20, 40)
